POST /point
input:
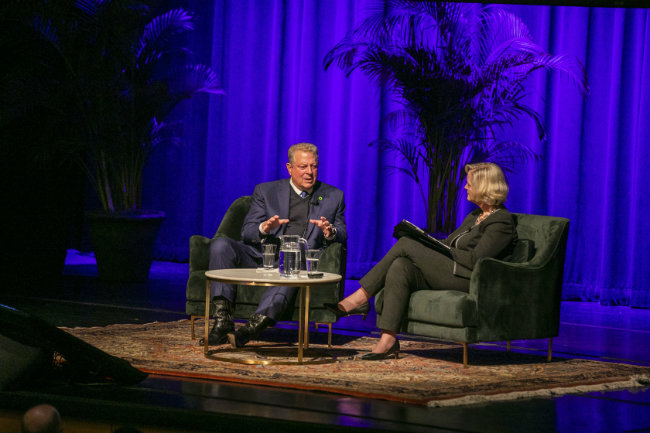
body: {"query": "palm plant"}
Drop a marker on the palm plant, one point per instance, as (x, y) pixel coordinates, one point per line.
(119, 77)
(459, 71)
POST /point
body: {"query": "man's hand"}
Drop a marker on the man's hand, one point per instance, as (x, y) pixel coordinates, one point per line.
(325, 226)
(272, 223)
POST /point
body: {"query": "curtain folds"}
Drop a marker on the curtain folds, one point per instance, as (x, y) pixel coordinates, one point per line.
(270, 53)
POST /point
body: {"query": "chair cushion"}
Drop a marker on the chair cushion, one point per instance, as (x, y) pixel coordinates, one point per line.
(545, 233)
(443, 307)
(523, 251)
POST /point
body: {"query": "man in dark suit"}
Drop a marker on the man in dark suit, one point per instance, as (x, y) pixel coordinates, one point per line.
(300, 205)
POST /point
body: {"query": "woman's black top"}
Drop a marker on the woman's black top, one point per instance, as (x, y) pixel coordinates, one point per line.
(494, 237)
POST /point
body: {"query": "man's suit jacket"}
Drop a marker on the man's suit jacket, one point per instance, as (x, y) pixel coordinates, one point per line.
(272, 198)
(494, 237)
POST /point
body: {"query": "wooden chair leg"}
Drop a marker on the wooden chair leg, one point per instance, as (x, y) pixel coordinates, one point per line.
(464, 355)
(550, 349)
(192, 319)
(508, 346)
(329, 332)
(329, 335)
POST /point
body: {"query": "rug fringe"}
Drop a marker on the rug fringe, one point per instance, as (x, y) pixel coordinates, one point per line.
(633, 382)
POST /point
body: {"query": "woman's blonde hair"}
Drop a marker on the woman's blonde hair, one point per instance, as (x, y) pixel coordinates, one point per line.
(488, 183)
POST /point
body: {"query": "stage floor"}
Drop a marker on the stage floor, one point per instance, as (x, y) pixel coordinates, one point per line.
(588, 330)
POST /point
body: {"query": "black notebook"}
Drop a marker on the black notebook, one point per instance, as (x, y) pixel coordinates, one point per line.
(406, 228)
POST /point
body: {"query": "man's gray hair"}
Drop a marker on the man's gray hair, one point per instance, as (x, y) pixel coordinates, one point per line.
(302, 147)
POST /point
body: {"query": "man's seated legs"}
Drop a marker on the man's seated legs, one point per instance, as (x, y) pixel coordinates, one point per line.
(226, 253)
(273, 303)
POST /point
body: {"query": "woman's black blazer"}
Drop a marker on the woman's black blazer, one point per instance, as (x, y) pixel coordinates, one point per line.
(494, 237)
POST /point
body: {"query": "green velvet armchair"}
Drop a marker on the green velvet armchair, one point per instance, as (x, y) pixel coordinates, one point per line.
(507, 300)
(332, 260)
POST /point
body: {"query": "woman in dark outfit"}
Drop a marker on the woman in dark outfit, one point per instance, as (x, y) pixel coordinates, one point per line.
(488, 231)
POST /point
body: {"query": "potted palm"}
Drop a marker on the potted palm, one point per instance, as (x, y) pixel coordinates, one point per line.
(459, 70)
(36, 218)
(123, 74)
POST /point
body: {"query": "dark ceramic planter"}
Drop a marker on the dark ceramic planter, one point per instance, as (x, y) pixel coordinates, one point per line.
(124, 243)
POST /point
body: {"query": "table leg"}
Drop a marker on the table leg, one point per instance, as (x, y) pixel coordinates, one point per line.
(206, 319)
(301, 321)
(306, 324)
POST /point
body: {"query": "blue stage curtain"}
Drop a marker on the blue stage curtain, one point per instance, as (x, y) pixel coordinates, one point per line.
(269, 55)
(597, 150)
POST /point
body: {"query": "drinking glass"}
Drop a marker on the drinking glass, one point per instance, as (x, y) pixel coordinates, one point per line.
(268, 256)
(312, 257)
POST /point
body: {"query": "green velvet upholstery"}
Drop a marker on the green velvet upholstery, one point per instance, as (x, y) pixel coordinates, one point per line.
(507, 300)
(332, 260)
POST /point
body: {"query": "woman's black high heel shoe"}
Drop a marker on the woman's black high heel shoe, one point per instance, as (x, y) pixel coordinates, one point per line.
(372, 356)
(362, 309)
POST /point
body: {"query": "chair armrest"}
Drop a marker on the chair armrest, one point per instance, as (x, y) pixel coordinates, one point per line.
(332, 259)
(199, 253)
(517, 300)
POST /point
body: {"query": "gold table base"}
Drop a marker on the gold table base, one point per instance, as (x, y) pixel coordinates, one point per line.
(263, 355)
(303, 327)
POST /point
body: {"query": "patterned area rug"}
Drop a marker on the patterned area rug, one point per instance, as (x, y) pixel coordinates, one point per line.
(426, 373)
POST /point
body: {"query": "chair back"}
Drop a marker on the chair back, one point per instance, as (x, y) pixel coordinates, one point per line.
(523, 301)
(233, 220)
(548, 236)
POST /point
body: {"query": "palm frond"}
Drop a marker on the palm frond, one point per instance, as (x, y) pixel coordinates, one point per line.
(498, 31)
(568, 65)
(201, 78)
(47, 31)
(159, 136)
(401, 122)
(510, 112)
(157, 32)
(409, 152)
(89, 8)
(507, 154)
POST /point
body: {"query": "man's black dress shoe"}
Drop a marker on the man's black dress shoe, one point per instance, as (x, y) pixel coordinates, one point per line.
(372, 356)
(362, 309)
(222, 323)
(255, 325)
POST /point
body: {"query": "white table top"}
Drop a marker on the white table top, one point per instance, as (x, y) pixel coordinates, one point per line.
(251, 276)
